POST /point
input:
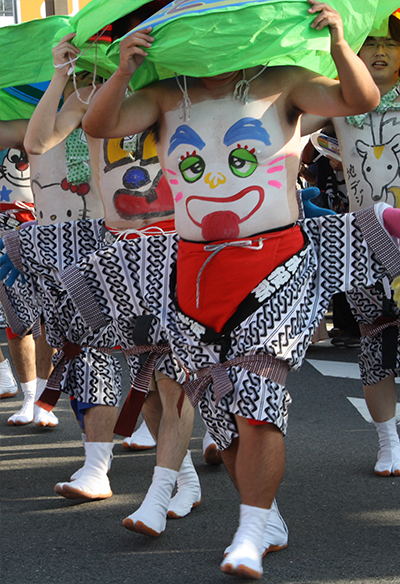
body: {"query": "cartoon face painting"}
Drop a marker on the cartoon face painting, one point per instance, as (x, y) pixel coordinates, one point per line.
(226, 173)
(133, 180)
(380, 165)
(14, 177)
(372, 160)
(75, 202)
(56, 199)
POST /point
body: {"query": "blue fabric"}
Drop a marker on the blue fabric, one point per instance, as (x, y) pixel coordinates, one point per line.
(79, 409)
(311, 210)
(8, 272)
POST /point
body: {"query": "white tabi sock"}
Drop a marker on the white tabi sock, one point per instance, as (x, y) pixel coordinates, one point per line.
(141, 439)
(389, 449)
(245, 552)
(78, 472)
(92, 482)
(151, 517)
(43, 417)
(25, 414)
(8, 385)
(211, 452)
(276, 533)
(188, 490)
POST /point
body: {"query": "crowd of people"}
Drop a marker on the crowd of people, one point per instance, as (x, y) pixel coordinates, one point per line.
(151, 230)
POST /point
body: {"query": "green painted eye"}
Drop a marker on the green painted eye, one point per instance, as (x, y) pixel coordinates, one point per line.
(242, 162)
(192, 168)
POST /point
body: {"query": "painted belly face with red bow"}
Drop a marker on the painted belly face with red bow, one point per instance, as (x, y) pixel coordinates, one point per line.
(56, 199)
(228, 170)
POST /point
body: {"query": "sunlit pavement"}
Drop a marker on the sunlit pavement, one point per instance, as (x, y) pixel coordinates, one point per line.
(344, 522)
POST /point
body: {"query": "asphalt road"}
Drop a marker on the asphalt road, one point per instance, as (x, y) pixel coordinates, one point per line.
(344, 521)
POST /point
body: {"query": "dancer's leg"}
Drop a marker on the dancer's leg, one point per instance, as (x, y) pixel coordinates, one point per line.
(381, 400)
(211, 452)
(22, 351)
(44, 354)
(92, 481)
(255, 461)
(44, 367)
(172, 433)
(140, 439)
(23, 355)
(8, 384)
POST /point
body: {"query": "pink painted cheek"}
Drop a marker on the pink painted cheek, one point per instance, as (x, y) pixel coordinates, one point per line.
(178, 197)
(275, 183)
(169, 171)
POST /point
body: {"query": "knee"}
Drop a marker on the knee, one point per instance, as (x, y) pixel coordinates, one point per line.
(255, 428)
(169, 390)
(172, 397)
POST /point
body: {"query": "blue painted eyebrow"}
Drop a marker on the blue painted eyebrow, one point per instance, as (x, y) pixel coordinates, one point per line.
(185, 135)
(245, 129)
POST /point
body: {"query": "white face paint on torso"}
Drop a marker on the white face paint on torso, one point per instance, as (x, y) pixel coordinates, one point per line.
(231, 173)
(56, 200)
(14, 177)
(134, 191)
(371, 159)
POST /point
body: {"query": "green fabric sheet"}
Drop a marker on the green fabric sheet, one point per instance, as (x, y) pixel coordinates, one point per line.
(215, 36)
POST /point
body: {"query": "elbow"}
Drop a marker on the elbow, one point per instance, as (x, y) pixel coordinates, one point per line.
(366, 102)
(373, 99)
(90, 128)
(33, 148)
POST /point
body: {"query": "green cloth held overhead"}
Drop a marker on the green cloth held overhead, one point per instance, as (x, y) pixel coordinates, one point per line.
(26, 55)
(89, 22)
(215, 36)
(197, 39)
(96, 15)
(12, 108)
(26, 58)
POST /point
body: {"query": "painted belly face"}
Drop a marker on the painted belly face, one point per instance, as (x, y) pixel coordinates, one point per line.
(226, 171)
(14, 177)
(134, 178)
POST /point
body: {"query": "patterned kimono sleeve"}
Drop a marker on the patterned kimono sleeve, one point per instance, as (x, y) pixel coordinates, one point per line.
(354, 250)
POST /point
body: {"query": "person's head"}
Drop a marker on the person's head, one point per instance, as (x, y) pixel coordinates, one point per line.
(85, 78)
(381, 55)
(123, 25)
(82, 79)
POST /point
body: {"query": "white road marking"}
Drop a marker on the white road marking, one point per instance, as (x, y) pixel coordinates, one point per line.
(347, 371)
(336, 368)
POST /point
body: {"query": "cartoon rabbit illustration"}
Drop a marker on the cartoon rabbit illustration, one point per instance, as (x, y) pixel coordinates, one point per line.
(380, 165)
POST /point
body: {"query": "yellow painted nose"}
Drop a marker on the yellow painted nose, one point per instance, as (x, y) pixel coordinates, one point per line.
(214, 180)
(378, 151)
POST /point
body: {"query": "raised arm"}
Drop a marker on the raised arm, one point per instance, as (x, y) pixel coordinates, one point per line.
(110, 114)
(47, 128)
(310, 123)
(12, 133)
(354, 93)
